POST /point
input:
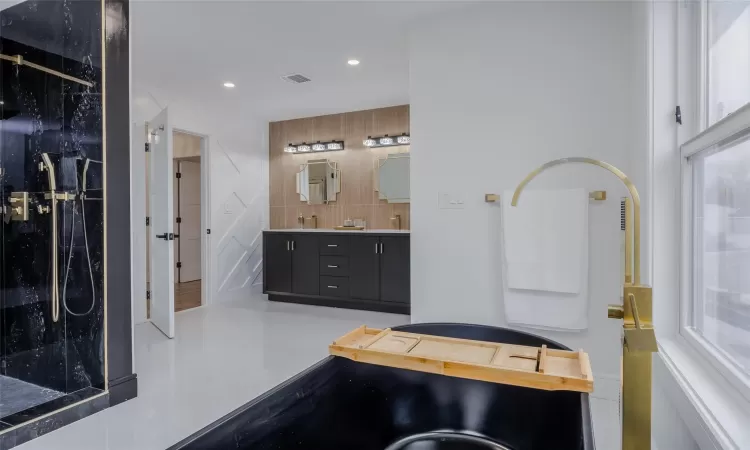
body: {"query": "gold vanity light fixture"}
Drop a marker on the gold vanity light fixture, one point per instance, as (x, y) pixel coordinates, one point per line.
(328, 146)
(636, 312)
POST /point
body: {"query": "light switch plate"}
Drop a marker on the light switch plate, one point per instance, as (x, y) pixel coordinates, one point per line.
(451, 200)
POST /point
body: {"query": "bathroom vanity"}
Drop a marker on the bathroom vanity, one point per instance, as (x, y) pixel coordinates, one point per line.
(366, 269)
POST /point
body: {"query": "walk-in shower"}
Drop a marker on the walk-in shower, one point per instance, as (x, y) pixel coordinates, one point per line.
(52, 264)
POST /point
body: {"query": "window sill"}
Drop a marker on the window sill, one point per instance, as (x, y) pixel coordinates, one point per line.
(716, 414)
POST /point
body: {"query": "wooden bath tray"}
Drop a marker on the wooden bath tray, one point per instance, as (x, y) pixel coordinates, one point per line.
(517, 365)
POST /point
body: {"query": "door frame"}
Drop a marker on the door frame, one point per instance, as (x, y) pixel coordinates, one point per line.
(139, 255)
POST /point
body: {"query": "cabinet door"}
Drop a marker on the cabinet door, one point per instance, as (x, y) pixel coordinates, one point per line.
(305, 264)
(277, 265)
(364, 267)
(395, 276)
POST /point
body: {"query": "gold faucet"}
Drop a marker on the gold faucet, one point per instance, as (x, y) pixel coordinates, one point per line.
(397, 217)
(636, 312)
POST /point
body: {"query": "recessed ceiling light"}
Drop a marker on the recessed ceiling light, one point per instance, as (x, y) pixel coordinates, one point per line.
(228, 84)
(353, 62)
(2, 102)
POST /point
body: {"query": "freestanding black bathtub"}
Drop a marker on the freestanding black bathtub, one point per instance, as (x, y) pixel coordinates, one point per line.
(339, 404)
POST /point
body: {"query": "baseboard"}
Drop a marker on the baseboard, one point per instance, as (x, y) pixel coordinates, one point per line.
(365, 305)
(123, 389)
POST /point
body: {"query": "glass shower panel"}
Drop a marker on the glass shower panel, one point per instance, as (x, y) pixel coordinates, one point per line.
(52, 251)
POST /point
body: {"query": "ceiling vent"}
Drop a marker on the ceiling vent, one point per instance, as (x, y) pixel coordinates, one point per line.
(295, 78)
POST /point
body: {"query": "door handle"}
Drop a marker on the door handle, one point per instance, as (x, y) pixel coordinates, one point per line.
(292, 245)
(376, 248)
(381, 248)
(287, 245)
(166, 236)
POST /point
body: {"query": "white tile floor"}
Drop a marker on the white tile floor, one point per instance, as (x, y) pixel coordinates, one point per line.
(223, 357)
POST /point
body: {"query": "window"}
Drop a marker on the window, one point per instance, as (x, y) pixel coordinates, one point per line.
(728, 58)
(715, 293)
(721, 249)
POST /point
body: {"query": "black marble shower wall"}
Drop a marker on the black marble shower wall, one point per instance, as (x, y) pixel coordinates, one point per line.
(44, 113)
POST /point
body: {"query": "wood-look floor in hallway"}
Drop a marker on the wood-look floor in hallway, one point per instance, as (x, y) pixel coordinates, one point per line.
(187, 295)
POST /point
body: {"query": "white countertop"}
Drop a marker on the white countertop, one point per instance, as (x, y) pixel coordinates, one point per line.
(330, 230)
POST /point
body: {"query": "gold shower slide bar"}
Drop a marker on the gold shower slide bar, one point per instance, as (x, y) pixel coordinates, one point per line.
(18, 59)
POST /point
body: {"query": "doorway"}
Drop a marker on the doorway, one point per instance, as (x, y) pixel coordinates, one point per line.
(182, 275)
(187, 221)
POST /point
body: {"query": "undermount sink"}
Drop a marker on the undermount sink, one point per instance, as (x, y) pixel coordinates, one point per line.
(338, 404)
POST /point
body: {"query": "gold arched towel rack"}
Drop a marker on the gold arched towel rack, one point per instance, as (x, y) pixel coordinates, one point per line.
(18, 59)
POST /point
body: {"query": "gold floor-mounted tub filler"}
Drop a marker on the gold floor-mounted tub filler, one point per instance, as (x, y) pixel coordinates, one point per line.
(636, 312)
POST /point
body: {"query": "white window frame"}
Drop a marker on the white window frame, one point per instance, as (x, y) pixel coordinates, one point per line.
(713, 410)
(734, 128)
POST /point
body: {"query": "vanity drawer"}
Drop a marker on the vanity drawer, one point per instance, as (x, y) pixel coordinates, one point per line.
(337, 266)
(334, 245)
(334, 286)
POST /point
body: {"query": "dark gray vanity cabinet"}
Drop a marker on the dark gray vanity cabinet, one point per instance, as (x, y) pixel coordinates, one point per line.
(305, 264)
(379, 268)
(277, 262)
(290, 263)
(364, 267)
(357, 270)
(395, 275)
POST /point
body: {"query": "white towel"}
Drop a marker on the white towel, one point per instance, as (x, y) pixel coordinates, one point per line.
(545, 240)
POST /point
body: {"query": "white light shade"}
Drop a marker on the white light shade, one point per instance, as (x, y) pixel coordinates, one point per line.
(290, 149)
(369, 142)
(303, 148)
(353, 62)
(386, 141)
(319, 147)
(403, 139)
(335, 146)
(228, 84)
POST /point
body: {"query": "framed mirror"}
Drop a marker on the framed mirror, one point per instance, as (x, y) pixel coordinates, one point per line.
(392, 178)
(318, 181)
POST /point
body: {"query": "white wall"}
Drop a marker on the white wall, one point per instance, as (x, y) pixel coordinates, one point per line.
(238, 170)
(496, 90)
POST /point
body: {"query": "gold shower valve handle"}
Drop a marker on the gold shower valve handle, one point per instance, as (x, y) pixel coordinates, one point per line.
(615, 311)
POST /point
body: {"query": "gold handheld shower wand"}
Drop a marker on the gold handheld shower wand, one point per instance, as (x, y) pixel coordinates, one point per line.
(52, 196)
(636, 312)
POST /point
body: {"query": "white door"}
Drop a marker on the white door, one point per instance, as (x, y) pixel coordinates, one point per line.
(161, 229)
(190, 225)
(139, 211)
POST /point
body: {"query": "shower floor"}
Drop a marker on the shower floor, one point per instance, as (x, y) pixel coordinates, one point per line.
(17, 395)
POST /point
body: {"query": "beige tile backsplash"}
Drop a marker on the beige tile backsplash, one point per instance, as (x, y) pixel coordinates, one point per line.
(358, 198)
